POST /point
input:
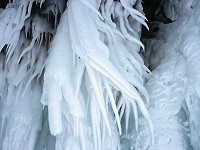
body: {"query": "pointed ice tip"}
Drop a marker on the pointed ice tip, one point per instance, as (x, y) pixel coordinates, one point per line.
(120, 132)
(101, 17)
(142, 46)
(147, 27)
(55, 131)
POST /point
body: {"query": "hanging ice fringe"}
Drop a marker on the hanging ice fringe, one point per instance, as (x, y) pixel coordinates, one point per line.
(93, 77)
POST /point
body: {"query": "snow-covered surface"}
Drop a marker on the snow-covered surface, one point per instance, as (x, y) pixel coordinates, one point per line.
(72, 78)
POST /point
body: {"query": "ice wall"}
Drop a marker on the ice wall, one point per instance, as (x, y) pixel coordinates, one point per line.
(174, 84)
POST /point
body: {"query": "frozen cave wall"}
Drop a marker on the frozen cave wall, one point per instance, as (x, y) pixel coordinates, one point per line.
(172, 53)
(76, 75)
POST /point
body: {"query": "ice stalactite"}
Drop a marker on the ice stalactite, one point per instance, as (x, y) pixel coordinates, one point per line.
(22, 62)
(87, 52)
(82, 60)
(20, 113)
(13, 19)
(20, 101)
(91, 57)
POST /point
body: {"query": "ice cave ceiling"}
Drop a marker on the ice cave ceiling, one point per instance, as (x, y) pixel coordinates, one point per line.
(149, 7)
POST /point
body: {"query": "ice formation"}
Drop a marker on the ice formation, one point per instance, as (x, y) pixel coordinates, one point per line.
(79, 59)
(72, 76)
(174, 85)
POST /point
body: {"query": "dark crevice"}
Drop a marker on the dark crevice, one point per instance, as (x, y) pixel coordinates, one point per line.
(3, 3)
(154, 12)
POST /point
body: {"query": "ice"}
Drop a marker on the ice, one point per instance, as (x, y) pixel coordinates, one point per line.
(174, 53)
(72, 76)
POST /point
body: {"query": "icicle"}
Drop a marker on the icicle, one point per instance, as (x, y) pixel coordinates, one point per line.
(127, 22)
(112, 101)
(105, 28)
(135, 114)
(119, 12)
(127, 115)
(38, 68)
(98, 94)
(22, 69)
(134, 11)
(108, 4)
(23, 15)
(35, 36)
